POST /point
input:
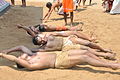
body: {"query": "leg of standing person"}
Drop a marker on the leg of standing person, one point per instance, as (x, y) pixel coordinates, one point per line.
(23, 3)
(13, 2)
(79, 1)
(84, 6)
(71, 17)
(65, 18)
(84, 2)
(90, 2)
(78, 57)
(67, 7)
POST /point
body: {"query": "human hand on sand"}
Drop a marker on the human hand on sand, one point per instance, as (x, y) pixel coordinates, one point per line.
(1, 54)
(19, 25)
(4, 51)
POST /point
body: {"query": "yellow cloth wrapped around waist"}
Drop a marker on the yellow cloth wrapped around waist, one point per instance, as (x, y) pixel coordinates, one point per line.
(62, 60)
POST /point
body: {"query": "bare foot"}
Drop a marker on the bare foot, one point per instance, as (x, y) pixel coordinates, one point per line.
(4, 51)
(111, 56)
(108, 50)
(23, 5)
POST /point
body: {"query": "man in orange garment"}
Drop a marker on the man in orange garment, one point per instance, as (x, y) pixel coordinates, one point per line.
(68, 7)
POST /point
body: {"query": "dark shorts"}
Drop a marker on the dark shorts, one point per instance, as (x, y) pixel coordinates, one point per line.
(41, 28)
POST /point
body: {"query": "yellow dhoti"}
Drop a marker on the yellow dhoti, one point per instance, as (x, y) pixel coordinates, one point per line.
(62, 60)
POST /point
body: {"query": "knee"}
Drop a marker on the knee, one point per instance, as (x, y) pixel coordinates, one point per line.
(87, 52)
(85, 57)
(23, 56)
(89, 44)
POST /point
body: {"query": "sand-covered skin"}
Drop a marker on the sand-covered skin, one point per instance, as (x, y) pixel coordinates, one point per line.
(105, 28)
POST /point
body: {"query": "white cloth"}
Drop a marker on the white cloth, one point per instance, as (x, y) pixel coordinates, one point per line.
(60, 11)
(115, 7)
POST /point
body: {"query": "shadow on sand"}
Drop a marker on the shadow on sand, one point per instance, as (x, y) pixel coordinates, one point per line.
(93, 70)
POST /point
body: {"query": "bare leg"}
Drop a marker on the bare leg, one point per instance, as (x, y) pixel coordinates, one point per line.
(65, 18)
(23, 3)
(76, 57)
(90, 2)
(27, 29)
(84, 52)
(102, 54)
(79, 1)
(84, 2)
(95, 46)
(19, 48)
(89, 44)
(71, 17)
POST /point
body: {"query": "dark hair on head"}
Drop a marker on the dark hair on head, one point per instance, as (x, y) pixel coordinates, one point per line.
(35, 40)
(48, 4)
(42, 28)
(19, 66)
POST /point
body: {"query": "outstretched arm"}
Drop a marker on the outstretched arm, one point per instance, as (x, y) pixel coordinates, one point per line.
(48, 15)
(18, 48)
(68, 33)
(22, 62)
(44, 49)
(27, 29)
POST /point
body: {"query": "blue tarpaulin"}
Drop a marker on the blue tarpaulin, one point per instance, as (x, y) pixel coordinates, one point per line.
(3, 5)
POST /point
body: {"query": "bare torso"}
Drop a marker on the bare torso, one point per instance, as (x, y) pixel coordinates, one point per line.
(54, 43)
(44, 58)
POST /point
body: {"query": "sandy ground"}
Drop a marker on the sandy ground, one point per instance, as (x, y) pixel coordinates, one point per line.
(105, 28)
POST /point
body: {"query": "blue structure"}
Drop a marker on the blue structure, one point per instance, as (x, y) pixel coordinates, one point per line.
(3, 6)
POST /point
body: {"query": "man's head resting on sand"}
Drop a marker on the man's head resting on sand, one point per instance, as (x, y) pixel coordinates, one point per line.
(48, 4)
(39, 40)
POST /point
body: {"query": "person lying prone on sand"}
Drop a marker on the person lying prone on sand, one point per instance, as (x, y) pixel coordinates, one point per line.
(60, 60)
(49, 42)
(33, 30)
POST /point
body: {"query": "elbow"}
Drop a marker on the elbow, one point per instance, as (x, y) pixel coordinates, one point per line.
(31, 68)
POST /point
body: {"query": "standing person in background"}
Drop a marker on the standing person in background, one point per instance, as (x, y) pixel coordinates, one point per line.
(115, 7)
(107, 5)
(23, 3)
(51, 7)
(68, 7)
(79, 1)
